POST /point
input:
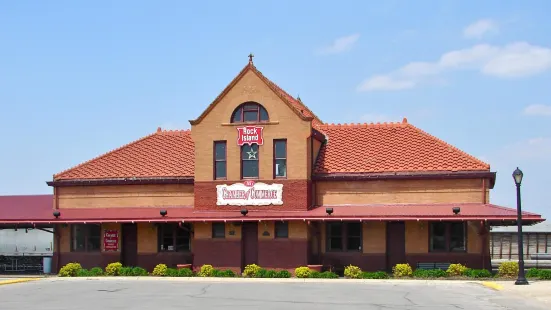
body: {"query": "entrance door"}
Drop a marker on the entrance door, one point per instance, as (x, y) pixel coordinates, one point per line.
(249, 243)
(129, 245)
(395, 244)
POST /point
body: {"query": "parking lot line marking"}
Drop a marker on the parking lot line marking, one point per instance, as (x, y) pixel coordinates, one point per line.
(4, 282)
(493, 285)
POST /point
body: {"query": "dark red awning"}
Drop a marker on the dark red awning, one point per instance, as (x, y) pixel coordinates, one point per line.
(38, 210)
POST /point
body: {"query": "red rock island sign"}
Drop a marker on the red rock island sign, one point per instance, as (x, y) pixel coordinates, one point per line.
(249, 193)
(249, 135)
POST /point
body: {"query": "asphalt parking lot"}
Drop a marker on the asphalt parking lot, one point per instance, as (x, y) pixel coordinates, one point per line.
(168, 294)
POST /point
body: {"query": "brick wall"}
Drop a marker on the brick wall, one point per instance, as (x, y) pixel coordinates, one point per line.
(120, 196)
(399, 191)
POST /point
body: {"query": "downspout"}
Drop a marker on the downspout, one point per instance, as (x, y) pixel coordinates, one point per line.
(312, 164)
(484, 191)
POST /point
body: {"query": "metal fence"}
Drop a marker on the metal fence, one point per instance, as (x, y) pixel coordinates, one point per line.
(537, 249)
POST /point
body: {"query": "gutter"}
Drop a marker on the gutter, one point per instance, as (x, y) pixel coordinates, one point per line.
(122, 181)
(491, 176)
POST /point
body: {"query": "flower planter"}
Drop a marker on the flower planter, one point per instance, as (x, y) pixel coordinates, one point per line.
(315, 267)
(183, 266)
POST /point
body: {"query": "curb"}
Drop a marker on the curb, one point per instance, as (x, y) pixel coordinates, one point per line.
(5, 282)
(259, 280)
(492, 285)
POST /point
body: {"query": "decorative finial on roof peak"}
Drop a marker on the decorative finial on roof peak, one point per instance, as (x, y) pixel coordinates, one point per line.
(159, 129)
(298, 98)
(405, 121)
(251, 58)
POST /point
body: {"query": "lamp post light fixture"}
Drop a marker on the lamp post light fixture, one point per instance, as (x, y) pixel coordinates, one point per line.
(521, 280)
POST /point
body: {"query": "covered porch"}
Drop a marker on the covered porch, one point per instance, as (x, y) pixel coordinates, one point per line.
(373, 237)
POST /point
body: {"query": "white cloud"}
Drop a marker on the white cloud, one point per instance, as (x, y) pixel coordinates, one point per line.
(480, 28)
(538, 109)
(518, 60)
(340, 45)
(385, 83)
(515, 60)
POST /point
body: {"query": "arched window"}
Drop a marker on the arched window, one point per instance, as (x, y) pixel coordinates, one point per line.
(249, 112)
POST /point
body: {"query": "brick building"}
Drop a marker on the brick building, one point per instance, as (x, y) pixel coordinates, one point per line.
(261, 179)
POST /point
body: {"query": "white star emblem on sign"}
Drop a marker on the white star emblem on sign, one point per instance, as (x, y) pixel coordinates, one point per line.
(252, 154)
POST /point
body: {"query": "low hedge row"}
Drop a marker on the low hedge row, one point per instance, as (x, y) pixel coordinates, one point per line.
(505, 270)
(541, 274)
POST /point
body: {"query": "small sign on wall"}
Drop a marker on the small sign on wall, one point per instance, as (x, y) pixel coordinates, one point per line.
(111, 240)
(249, 193)
(249, 135)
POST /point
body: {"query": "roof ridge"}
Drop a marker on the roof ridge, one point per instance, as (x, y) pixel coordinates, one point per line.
(365, 124)
(450, 146)
(165, 131)
(57, 175)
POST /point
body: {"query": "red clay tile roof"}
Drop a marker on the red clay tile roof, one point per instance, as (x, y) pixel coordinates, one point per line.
(393, 147)
(161, 154)
(469, 211)
(296, 105)
(26, 207)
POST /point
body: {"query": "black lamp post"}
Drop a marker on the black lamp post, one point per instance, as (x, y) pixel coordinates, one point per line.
(517, 176)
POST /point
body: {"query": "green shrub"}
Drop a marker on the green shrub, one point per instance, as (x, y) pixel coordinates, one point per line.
(139, 272)
(223, 273)
(329, 275)
(251, 270)
(270, 274)
(352, 272)
(477, 273)
(171, 272)
(260, 273)
(456, 270)
(96, 272)
(544, 274)
(185, 272)
(402, 270)
(508, 269)
(70, 270)
(375, 275)
(160, 270)
(125, 272)
(323, 275)
(282, 274)
(302, 272)
(533, 273)
(206, 271)
(83, 273)
(113, 269)
(430, 273)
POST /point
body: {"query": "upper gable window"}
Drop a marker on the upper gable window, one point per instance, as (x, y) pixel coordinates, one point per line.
(249, 112)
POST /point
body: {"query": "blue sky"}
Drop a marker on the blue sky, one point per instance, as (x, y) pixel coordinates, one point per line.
(79, 78)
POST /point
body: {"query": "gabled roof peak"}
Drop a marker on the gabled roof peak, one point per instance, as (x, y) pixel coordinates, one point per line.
(295, 104)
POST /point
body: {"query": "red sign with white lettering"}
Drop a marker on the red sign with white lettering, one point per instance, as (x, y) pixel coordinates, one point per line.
(249, 135)
(111, 240)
